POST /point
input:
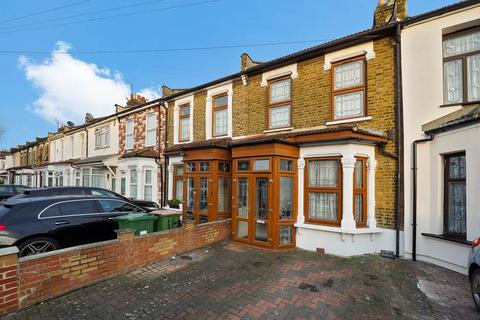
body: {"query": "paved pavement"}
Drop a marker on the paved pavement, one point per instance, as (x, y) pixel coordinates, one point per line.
(228, 281)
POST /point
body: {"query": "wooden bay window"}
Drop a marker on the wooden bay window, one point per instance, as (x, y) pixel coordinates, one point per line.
(323, 191)
(178, 182)
(360, 191)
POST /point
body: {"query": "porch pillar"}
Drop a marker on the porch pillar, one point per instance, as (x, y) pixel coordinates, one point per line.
(301, 190)
(371, 168)
(348, 220)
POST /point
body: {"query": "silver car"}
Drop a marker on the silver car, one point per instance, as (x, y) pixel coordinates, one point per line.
(474, 271)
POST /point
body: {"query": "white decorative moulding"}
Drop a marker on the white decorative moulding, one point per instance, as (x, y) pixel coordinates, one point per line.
(364, 48)
(280, 72)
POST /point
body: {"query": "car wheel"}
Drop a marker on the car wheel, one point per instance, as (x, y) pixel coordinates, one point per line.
(37, 245)
(475, 284)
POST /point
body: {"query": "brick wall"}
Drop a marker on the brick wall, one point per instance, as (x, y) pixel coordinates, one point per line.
(33, 279)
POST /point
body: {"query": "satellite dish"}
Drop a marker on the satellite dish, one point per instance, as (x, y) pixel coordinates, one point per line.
(70, 124)
(88, 117)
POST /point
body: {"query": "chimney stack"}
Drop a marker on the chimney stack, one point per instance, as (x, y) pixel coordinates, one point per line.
(246, 62)
(135, 100)
(389, 11)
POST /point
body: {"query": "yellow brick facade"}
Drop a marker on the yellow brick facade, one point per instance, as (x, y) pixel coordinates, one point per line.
(311, 107)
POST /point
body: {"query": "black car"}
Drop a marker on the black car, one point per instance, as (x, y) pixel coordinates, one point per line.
(86, 191)
(41, 224)
(9, 190)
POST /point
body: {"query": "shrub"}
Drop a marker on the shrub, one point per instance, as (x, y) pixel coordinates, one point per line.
(174, 203)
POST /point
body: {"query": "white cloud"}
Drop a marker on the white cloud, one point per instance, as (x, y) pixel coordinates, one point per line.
(151, 93)
(70, 87)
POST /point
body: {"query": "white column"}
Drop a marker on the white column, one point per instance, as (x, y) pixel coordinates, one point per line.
(348, 220)
(301, 190)
(371, 168)
(170, 182)
(140, 182)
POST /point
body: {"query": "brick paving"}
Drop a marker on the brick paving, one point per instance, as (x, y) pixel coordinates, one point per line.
(228, 281)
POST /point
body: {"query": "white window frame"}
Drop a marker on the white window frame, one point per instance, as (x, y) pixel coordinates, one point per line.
(152, 130)
(129, 134)
(102, 137)
(218, 90)
(148, 184)
(176, 118)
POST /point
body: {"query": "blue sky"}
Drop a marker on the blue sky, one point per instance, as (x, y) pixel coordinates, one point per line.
(38, 89)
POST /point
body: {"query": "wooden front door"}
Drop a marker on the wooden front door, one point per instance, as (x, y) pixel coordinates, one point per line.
(252, 209)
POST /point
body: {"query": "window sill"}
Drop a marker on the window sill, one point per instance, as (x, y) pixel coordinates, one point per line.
(459, 104)
(317, 227)
(447, 238)
(359, 119)
(99, 148)
(277, 130)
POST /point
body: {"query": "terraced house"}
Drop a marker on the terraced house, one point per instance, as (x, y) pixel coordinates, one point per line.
(24, 163)
(141, 145)
(299, 151)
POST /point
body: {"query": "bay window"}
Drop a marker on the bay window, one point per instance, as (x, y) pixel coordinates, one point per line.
(360, 191)
(148, 188)
(349, 89)
(178, 182)
(461, 67)
(219, 116)
(323, 191)
(184, 123)
(133, 184)
(279, 103)
(455, 196)
(150, 130)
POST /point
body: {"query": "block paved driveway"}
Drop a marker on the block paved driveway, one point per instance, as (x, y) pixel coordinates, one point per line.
(228, 281)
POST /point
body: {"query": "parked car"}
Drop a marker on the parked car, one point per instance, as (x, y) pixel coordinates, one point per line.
(474, 271)
(87, 191)
(41, 224)
(10, 190)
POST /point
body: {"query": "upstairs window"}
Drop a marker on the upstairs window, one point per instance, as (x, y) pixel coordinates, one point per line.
(184, 123)
(461, 67)
(279, 103)
(150, 130)
(348, 89)
(102, 137)
(220, 110)
(129, 134)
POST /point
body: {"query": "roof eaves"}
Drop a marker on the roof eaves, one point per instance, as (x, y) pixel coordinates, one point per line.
(440, 11)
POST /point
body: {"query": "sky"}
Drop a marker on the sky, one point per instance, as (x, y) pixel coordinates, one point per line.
(55, 65)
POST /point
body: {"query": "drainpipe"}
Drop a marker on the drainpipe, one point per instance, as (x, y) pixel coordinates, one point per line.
(164, 176)
(399, 136)
(414, 191)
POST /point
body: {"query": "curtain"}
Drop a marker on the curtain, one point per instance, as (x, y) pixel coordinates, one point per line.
(473, 76)
(280, 116)
(323, 173)
(349, 74)
(322, 206)
(280, 91)
(453, 83)
(220, 121)
(349, 104)
(461, 44)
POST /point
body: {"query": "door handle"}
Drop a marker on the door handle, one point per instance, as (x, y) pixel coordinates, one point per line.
(62, 222)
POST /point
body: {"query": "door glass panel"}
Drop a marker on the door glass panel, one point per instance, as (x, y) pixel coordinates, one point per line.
(203, 201)
(205, 166)
(190, 198)
(242, 198)
(261, 165)
(286, 197)
(224, 194)
(261, 209)
(285, 235)
(243, 165)
(242, 229)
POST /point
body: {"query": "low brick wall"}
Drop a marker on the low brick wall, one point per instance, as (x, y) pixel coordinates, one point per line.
(33, 279)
